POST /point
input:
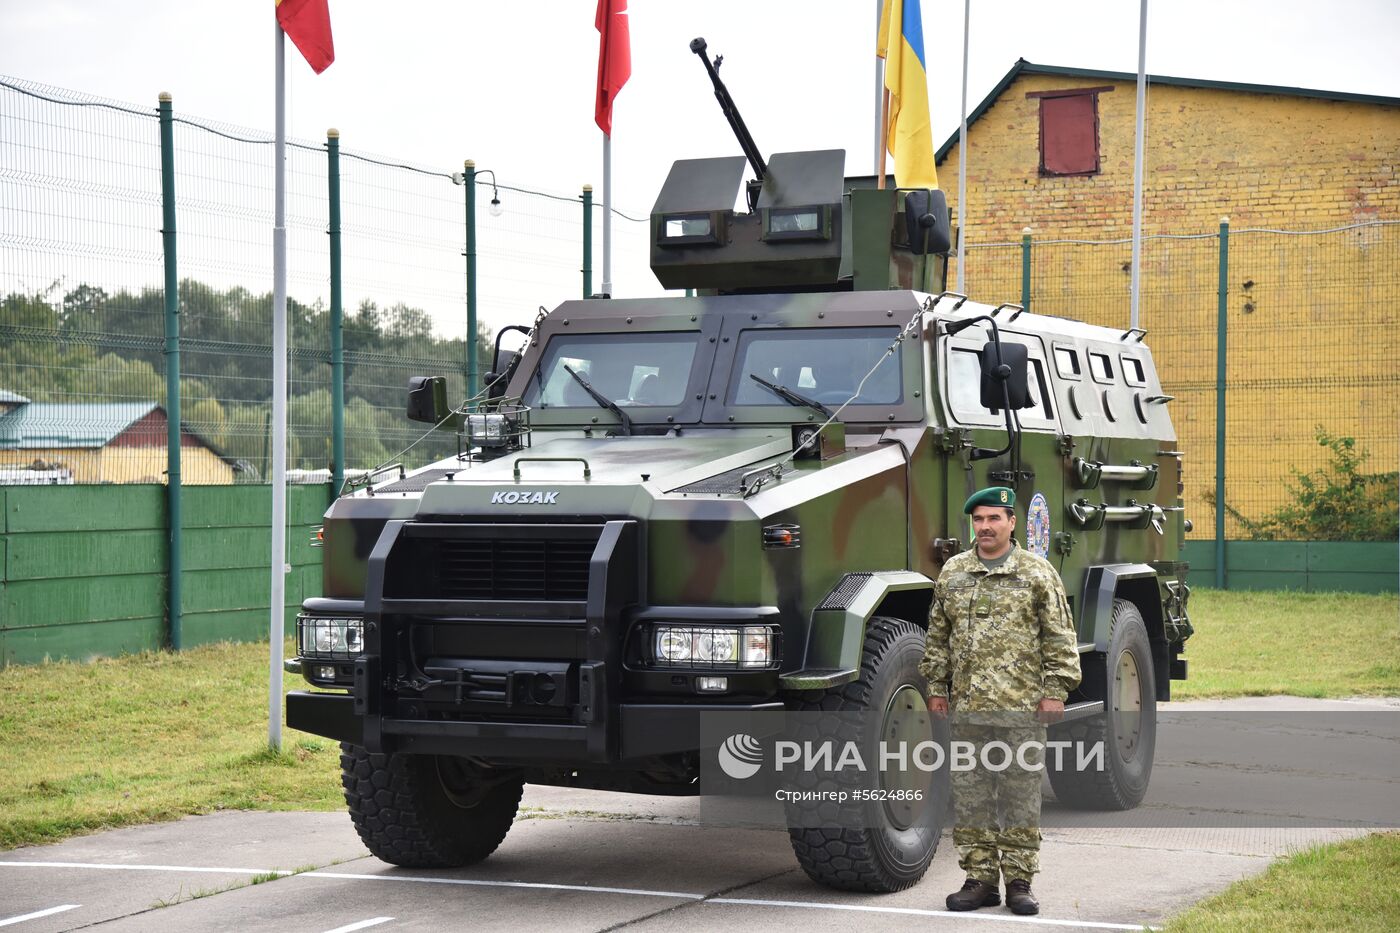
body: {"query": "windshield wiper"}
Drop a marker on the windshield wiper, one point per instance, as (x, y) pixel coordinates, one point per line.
(791, 397)
(602, 400)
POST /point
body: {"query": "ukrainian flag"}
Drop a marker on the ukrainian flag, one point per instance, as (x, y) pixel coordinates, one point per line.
(900, 43)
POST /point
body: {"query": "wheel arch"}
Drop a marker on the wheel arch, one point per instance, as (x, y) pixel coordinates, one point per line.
(831, 656)
(1139, 585)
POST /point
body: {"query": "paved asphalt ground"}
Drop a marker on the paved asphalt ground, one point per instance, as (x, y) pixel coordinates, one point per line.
(586, 860)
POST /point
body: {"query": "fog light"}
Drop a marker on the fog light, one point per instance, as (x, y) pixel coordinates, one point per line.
(325, 672)
(712, 684)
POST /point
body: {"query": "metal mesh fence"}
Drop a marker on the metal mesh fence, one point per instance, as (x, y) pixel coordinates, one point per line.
(1313, 340)
(1312, 346)
(82, 387)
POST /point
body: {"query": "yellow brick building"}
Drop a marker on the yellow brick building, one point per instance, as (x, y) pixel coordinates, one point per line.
(1313, 328)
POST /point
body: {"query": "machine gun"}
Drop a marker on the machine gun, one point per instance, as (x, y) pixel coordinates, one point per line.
(736, 121)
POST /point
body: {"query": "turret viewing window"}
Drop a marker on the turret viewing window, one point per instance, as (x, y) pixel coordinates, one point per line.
(1069, 130)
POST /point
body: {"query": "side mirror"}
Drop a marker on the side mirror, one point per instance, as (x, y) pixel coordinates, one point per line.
(926, 222)
(1010, 372)
(427, 399)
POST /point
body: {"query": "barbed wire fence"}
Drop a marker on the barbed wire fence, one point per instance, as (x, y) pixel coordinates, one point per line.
(82, 384)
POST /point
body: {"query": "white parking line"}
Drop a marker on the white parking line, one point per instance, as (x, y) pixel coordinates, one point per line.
(533, 885)
(580, 888)
(917, 912)
(352, 927)
(37, 914)
(120, 867)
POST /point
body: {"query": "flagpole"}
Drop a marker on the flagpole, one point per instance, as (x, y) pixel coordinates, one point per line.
(276, 626)
(962, 157)
(1133, 315)
(882, 103)
(607, 214)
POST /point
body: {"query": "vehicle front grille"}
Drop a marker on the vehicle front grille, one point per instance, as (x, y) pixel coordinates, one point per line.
(498, 563)
(546, 569)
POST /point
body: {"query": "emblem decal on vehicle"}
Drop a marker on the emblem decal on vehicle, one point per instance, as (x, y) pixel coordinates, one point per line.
(514, 497)
(1038, 526)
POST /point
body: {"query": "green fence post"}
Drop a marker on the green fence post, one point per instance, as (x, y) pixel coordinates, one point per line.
(587, 240)
(337, 317)
(1221, 329)
(1026, 268)
(172, 369)
(469, 179)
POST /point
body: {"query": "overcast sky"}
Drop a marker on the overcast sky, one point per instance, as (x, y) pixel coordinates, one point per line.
(511, 84)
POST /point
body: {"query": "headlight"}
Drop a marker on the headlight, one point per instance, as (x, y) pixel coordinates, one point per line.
(320, 637)
(748, 646)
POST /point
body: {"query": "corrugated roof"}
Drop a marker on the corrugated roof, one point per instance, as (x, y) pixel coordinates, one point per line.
(1023, 67)
(68, 424)
(8, 397)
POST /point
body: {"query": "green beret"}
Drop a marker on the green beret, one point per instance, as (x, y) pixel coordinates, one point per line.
(999, 496)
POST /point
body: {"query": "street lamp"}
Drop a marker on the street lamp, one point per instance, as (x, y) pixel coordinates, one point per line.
(467, 177)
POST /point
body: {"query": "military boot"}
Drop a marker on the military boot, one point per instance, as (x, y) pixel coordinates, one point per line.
(1019, 897)
(974, 894)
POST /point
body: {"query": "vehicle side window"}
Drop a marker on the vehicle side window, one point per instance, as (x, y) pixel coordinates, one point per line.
(1040, 397)
(1067, 362)
(965, 396)
(1040, 389)
(1101, 367)
(1132, 371)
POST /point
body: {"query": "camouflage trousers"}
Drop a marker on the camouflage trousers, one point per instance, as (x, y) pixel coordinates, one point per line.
(997, 812)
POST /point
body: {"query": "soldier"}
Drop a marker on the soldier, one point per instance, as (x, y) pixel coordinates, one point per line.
(1002, 653)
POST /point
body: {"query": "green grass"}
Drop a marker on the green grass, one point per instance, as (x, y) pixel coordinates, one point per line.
(1303, 644)
(1347, 886)
(158, 736)
(149, 737)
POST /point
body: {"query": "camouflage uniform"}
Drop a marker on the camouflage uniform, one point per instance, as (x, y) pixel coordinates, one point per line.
(1003, 639)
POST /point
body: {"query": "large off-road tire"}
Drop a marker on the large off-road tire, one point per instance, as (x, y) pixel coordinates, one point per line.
(893, 851)
(1128, 728)
(427, 811)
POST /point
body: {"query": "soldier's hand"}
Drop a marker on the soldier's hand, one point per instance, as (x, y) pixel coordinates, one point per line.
(938, 706)
(1050, 711)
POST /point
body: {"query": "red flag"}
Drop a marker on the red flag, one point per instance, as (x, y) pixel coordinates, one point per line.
(614, 58)
(308, 24)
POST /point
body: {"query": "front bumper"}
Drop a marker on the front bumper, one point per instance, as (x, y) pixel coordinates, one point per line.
(642, 730)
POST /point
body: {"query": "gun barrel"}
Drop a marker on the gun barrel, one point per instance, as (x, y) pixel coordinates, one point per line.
(731, 112)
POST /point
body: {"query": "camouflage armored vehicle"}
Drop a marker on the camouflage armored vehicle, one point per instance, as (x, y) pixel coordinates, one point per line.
(737, 501)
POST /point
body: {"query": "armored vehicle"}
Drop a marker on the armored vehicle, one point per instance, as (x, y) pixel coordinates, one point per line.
(737, 501)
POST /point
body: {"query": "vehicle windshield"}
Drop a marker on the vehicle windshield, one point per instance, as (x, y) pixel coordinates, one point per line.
(631, 370)
(822, 364)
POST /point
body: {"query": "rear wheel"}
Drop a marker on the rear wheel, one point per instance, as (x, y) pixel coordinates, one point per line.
(898, 837)
(1127, 730)
(427, 811)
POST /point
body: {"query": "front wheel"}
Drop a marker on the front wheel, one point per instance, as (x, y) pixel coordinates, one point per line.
(897, 838)
(1127, 730)
(427, 811)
